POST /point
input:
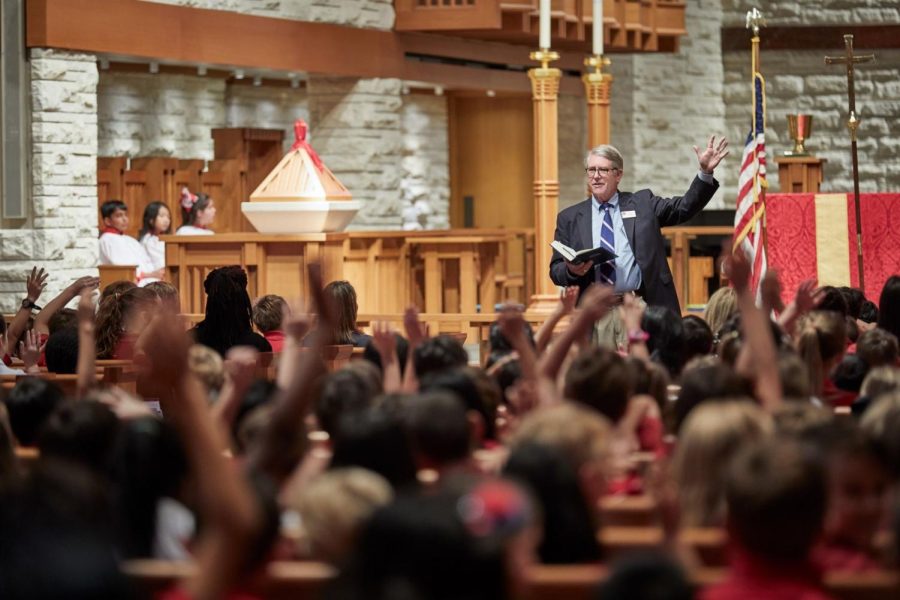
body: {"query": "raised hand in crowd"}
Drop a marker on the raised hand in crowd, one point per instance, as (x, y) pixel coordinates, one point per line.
(385, 341)
(416, 334)
(568, 298)
(87, 342)
(240, 371)
(758, 358)
(30, 351)
(770, 292)
(632, 314)
(807, 298)
(35, 282)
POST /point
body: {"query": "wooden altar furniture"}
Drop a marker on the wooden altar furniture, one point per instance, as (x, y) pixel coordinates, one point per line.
(111, 273)
(691, 275)
(800, 174)
(449, 271)
(244, 156)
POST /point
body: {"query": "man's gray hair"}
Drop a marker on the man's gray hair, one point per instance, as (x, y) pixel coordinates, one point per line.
(608, 152)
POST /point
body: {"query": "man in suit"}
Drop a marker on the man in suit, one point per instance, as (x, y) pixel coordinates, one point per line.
(629, 224)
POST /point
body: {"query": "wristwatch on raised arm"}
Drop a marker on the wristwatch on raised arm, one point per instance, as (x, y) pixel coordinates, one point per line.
(29, 304)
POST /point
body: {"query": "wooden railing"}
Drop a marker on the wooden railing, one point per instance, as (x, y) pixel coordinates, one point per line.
(630, 25)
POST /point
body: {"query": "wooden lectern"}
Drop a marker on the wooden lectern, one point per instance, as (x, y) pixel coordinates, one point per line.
(800, 174)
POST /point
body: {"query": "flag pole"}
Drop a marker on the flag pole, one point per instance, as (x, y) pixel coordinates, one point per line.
(761, 181)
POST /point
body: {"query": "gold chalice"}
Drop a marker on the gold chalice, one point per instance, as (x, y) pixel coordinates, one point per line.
(800, 127)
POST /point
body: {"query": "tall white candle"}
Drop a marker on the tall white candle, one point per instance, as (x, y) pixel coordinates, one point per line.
(598, 26)
(545, 24)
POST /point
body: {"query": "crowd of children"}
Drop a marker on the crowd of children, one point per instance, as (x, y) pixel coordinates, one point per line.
(416, 475)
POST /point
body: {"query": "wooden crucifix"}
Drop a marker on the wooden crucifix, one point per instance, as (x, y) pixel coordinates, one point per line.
(852, 124)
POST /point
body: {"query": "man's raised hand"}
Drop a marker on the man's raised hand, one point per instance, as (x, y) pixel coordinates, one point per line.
(712, 154)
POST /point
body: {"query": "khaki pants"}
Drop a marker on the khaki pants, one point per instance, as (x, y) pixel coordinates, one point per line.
(609, 332)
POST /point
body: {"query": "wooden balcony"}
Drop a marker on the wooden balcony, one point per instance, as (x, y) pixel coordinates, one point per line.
(629, 25)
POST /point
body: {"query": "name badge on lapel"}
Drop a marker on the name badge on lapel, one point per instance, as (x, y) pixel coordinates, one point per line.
(628, 214)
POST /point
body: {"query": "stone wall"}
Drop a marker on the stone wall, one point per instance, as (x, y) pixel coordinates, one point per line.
(425, 184)
(268, 107)
(372, 14)
(356, 128)
(63, 224)
(799, 81)
(663, 104)
(159, 115)
(572, 119)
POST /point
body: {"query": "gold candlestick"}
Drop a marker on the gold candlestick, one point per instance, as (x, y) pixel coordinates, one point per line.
(597, 87)
(545, 93)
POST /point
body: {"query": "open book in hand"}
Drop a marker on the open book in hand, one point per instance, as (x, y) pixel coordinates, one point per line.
(576, 257)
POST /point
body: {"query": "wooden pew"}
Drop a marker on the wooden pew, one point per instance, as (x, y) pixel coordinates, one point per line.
(302, 580)
(630, 511)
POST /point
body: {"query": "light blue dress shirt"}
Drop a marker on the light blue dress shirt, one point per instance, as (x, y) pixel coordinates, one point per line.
(628, 273)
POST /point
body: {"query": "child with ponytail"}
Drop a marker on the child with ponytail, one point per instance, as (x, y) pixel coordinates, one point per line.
(121, 319)
(821, 340)
(198, 211)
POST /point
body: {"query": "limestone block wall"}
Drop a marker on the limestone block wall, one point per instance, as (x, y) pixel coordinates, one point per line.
(662, 104)
(799, 81)
(425, 164)
(373, 14)
(268, 107)
(158, 115)
(62, 229)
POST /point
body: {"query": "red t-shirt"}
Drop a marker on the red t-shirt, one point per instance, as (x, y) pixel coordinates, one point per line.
(753, 579)
(835, 396)
(834, 556)
(125, 347)
(275, 339)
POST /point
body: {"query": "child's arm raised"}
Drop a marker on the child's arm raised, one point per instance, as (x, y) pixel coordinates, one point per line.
(226, 504)
(34, 285)
(292, 403)
(567, 300)
(42, 320)
(385, 341)
(87, 345)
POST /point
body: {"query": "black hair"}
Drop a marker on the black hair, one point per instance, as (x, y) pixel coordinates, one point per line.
(375, 439)
(343, 392)
(498, 342)
(228, 309)
(260, 393)
(568, 524)
(698, 337)
(189, 216)
(833, 300)
(850, 373)
(648, 576)
(82, 432)
(666, 343)
(854, 299)
(111, 206)
(418, 547)
(61, 351)
(54, 541)
(868, 313)
(29, 404)
(889, 306)
(438, 353)
(151, 211)
(370, 353)
(459, 382)
(438, 427)
(148, 463)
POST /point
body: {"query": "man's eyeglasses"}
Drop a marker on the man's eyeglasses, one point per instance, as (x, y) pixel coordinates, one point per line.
(594, 171)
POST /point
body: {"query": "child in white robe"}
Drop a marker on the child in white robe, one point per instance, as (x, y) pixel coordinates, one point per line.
(198, 212)
(157, 221)
(116, 248)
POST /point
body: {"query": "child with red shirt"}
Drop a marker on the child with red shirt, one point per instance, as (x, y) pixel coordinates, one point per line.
(776, 496)
(268, 314)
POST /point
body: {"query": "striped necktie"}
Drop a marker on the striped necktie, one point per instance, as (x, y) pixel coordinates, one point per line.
(607, 269)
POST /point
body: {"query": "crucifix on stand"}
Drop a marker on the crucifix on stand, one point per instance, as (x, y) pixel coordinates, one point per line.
(852, 124)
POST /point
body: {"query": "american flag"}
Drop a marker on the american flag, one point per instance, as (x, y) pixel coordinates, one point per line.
(750, 207)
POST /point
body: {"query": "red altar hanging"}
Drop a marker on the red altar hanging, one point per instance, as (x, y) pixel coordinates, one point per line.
(813, 236)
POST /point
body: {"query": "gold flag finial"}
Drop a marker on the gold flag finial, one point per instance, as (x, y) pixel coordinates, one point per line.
(755, 20)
